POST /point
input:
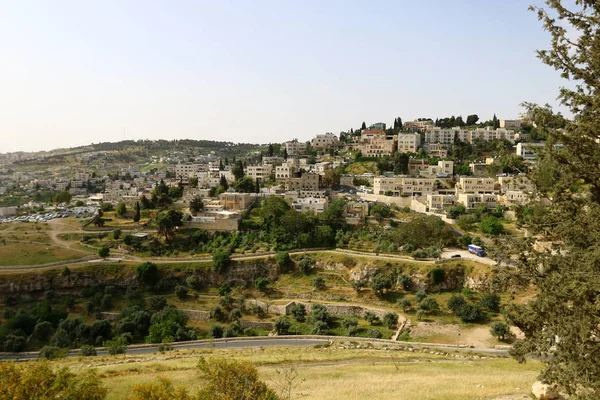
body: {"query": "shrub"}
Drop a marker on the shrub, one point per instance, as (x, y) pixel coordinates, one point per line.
(128, 240)
(232, 380)
(469, 313)
(217, 313)
(216, 331)
(224, 289)
(116, 234)
(65, 271)
(52, 352)
(306, 264)
(420, 295)
(147, 273)
(405, 304)
(282, 258)
(318, 282)
(405, 281)
(226, 302)
(282, 325)
(221, 260)
(14, 343)
(163, 389)
(193, 282)
(375, 333)
(299, 312)
(501, 330)
(319, 313)
(491, 226)
(157, 303)
(491, 301)
(41, 380)
(261, 284)
(104, 252)
(116, 346)
(437, 276)
(320, 328)
(87, 351)
(370, 317)
(429, 305)
(235, 315)
(456, 302)
(181, 292)
(390, 319)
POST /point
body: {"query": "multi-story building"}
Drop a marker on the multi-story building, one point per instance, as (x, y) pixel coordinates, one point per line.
(529, 150)
(510, 123)
(313, 204)
(436, 150)
(295, 148)
(308, 181)
(272, 160)
(403, 186)
(189, 170)
(378, 126)
(262, 172)
(415, 166)
(82, 176)
(418, 125)
(516, 197)
(436, 135)
(235, 201)
(378, 146)
(476, 185)
(326, 141)
(443, 168)
(472, 201)
(515, 183)
(408, 142)
(283, 172)
(440, 202)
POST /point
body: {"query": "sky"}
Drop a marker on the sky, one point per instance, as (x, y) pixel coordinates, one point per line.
(80, 72)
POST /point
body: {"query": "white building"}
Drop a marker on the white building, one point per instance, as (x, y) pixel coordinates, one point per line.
(326, 141)
(262, 172)
(295, 148)
(472, 201)
(312, 204)
(408, 142)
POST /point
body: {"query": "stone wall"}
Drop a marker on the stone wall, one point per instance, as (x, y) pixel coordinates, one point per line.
(335, 310)
(256, 324)
(197, 315)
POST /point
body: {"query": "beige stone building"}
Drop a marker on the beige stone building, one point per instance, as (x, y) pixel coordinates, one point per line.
(408, 142)
(262, 172)
(326, 141)
(403, 186)
(476, 185)
(472, 201)
(235, 201)
(308, 181)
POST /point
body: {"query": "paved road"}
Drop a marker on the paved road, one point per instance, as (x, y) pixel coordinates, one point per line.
(464, 254)
(240, 342)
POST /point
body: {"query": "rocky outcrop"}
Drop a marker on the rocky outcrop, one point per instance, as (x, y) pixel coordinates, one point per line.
(544, 391)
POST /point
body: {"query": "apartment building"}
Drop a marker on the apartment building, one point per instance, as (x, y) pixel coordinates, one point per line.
(510, 123)
(235, 201)
(378, 146)
(516, 197)
(415, 166)
(189, 170)
(82, 176)
(272, 160)
(308, 181)
(418, 125)
(283, 172)
(529, 150)
(447, 136)
(472, 201)
(436, 150)
(312, 204)
(356, 209)
(515, 183)
(403, 186)
(408, 142)
(440, 202)
(438, 135)
(295, 148)
(443, 168)
(326, 141)
(476, 185)
(262, 172)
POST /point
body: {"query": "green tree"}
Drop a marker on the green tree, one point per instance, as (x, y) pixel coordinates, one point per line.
(167, 222)
(221, 259)
(282, 325)
(147, 274)
(104, 252)
(181, 292)
(196, 204)
(121, 209)
(390, 319)
(501, 330)
(138, 215)
(491, 226)
(193, 182)
(244, 185)
(261, 284)
(62, 197)
(299, 312)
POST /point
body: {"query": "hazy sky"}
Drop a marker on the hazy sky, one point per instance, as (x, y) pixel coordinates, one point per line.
(82, 71)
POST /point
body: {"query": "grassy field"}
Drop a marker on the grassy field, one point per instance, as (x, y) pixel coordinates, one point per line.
(12, 253)
(333, 373)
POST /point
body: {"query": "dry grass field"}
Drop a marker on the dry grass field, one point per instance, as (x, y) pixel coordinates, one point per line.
(333, 372)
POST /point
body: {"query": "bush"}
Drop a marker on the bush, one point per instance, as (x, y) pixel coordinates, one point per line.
(87, 351)
(221, 260)
(374, 333)
(390, 319)
(116, 234)
(299, 312)
(420, 295)
(116, 346)
(456, 302)
(14, 343)
(282, 258)
(437, 276)
(282, 325)
(181, 292)
(306, 264)
(318, 282)
(429, 305)
(501, 330)
(320, 328)
(469, 313)
(157, 303)
(319, 313)
(193, 282)
(491, 226)
(261, 284)
(491, 301)
(217, 313)
(216, 331)
(41, 380)
(235, 315)
(405, 281)
(128, 239)
(52, 352)
(104, 252)
(370, 317)
(405, 304)
(147, 273)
